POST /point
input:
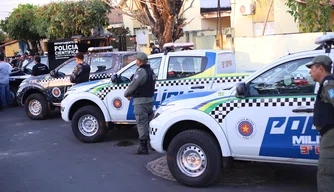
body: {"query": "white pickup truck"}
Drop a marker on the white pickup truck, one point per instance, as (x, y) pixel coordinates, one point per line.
(96, 106)
(267, 117)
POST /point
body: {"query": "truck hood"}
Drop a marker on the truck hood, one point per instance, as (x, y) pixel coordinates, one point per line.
(87, 86)
(40, 79)
(196, 100)
(21, 76)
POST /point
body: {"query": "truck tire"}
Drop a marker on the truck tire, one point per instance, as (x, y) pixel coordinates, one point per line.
(13, 91)
(36, 107)
(194, 158)
(88, 125)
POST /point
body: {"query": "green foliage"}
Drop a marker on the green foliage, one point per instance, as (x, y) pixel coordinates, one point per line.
(21, 24)
(66, 19)
(56, 20)
(313, 16)
(3, 36)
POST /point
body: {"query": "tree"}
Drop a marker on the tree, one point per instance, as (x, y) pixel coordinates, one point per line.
(313, 15)
(70, 18)
(164, 17)
(21, 24)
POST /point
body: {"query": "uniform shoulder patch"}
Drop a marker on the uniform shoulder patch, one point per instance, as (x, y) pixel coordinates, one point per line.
(325, 83)
(331, 93)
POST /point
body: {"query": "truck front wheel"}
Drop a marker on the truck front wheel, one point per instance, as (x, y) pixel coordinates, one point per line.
(36, 106)
(194, 158)
(88, 125)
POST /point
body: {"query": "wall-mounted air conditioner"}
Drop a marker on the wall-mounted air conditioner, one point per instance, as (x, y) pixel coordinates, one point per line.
(247, 9)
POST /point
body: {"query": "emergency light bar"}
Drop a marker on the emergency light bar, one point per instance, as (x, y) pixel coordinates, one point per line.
(324, 38)
(327, 41)
(178, 45)
(91, 49)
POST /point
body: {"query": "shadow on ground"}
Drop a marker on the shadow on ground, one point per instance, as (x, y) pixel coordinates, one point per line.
(249, 173)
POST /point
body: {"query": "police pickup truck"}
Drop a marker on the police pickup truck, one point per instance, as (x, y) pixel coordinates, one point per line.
(41, 94)
(267, 117)
(91, 104)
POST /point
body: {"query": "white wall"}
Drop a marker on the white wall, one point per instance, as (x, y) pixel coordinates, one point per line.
(284, 22)
(193, 14)
(256, 52)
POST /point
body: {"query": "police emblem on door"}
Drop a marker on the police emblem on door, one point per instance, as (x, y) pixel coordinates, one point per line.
(117, 103)
(245, 128)
(56, 92)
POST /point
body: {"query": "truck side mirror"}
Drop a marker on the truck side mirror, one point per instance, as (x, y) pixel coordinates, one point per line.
(114, 78)
(241, 90)
(53, 73)
(25, 70)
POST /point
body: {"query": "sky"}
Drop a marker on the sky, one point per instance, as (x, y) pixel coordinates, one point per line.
(214, 3)
(7, 6)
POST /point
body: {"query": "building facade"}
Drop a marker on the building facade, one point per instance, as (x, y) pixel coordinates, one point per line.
(202, 28)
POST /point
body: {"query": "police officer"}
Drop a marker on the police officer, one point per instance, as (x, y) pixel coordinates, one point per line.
(141, 89)
(39, 68)
(323, 120)
(81, 71)
(154, 48)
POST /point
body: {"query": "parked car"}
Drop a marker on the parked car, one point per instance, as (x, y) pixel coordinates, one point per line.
(41, 94)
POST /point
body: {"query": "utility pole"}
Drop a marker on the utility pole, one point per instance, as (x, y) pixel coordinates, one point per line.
(220, 34)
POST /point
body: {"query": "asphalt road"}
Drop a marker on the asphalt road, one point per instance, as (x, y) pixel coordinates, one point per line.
(45, 156)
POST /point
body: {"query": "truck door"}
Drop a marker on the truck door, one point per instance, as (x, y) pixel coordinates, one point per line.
(101, 67)
(59, 84)
(184, 74)
(272, 121)
(120, 108)
(225, 72)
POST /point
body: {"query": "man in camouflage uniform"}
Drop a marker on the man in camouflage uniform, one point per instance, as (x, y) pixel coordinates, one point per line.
(141, 89)
(81, 71)
(323, 120)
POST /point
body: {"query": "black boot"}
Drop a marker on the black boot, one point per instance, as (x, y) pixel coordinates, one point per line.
(150, 147)
(142, 149)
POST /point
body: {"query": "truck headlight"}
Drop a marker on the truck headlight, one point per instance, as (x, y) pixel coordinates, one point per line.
(68, 92)
(22, 83)
(162, 109)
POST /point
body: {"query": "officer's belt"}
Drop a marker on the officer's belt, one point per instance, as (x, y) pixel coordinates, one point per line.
(324, 130)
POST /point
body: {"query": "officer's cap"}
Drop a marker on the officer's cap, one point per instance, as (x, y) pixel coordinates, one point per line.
(151, 44)
(141, 56)
(322, 60)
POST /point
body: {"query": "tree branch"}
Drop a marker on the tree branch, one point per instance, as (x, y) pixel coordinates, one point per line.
(162, 16)
(191, 4)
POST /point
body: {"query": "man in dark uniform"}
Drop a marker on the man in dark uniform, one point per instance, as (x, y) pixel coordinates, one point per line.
(323, 120)
(141, 89)
(154, 48)
(39, 68)
(81, 71)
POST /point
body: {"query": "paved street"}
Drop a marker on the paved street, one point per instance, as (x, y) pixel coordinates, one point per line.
(45, 156)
